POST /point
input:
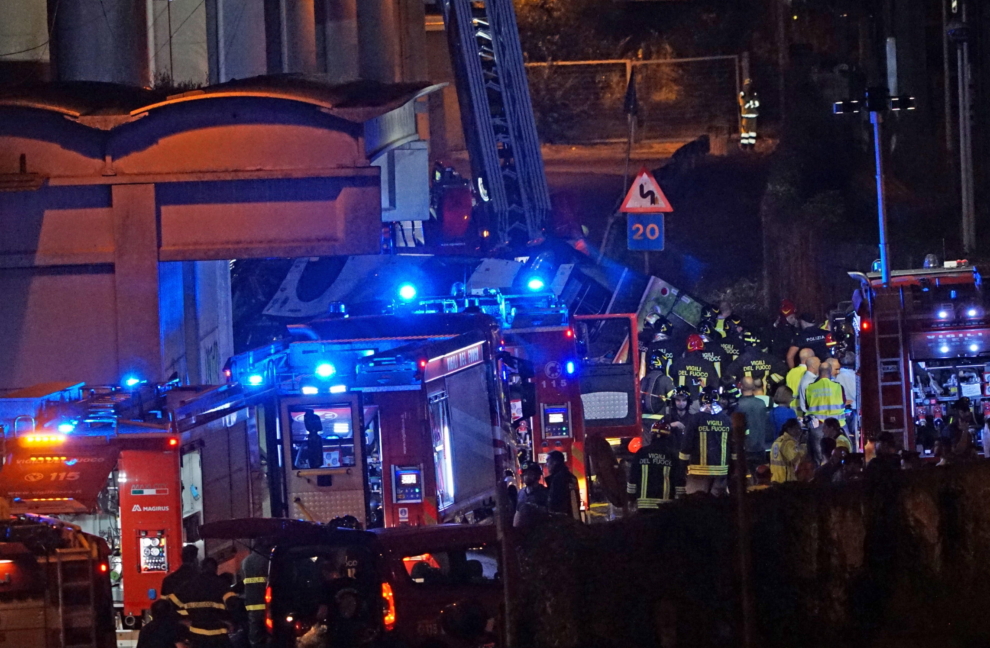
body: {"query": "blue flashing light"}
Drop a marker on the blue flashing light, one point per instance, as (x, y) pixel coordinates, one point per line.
(974, 347)
(309, 390)
(943, 314)
(66, 428)
(407, 292)
(338, 389)
(325, 370)
(972, 312)
(944, 348)
(570, 367)
(132, 381)
(255, 379)
(536, 283)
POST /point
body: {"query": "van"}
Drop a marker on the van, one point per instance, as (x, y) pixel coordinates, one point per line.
(404, 587)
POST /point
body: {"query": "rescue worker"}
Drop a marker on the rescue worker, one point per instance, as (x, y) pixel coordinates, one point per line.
(532, 502)
(784, 329)
(662, 351)
(655, 476)
(706, 449)
(713, 352)
(693, 371)
(786, 453)
(724, 319)
(187, 571)
(824, 399)
(203, 603)
(757, 364)
(710, 314)
(254, 570)
(749, 110)
(680, 415)
(562, 487)
(732, 346)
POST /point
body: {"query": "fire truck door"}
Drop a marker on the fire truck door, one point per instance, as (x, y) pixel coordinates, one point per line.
(325, 457)
(609, 375)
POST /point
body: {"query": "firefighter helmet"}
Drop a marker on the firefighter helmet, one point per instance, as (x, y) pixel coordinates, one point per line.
(662, 327)
(736, 319)
(709, 396)
(695, 342)
(660, 427)
(709, 313)
(706, 330)
(752, 339)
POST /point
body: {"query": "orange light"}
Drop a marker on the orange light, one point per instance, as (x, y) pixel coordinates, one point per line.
(635, 445)
(389, 611)
(38, 439)
(5, 562)
(173, 442)
(268, 609)
(104, 568)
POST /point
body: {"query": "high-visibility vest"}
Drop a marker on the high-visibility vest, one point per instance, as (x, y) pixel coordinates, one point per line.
(824, 399)
(785, 453)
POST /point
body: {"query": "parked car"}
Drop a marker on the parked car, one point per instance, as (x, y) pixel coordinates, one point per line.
(409, 587)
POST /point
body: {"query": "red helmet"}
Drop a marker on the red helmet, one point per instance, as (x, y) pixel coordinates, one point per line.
(695, 342)
(787, 308)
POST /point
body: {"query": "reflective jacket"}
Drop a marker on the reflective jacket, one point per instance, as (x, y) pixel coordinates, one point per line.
(255, 568)
(757, 364)
(785, 454)
(824, 400)
(203, 602)
(706, 445)
(693, 372)
(656, 475)
(714, 354)
(749, 104)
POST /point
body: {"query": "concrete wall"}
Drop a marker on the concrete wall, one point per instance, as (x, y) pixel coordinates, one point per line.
(905, 563)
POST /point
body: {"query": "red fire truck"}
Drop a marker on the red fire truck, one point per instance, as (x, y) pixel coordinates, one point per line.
(923, 344)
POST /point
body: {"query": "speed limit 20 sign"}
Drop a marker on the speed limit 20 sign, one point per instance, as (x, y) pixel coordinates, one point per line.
(645, 232)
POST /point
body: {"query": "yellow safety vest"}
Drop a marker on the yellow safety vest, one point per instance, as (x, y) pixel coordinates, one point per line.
(824, 399)
(785, 453)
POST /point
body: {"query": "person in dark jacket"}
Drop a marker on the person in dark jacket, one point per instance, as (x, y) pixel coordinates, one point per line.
(531, 506)
(254, 569)
(692, 371)
(656, 475)
(706, 449)
(187, 571)
(164, 630)
(203, 602)
(562, 487)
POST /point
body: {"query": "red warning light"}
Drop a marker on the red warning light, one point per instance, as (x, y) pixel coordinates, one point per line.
(422, 364)
(104, 568)
(865, 325)
(569, 333)
(173, 442)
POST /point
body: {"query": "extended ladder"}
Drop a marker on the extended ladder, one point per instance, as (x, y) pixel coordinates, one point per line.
(75, 575)
(497, 117)
(893, 386)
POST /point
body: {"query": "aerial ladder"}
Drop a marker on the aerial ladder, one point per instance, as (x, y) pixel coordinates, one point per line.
(497, 117)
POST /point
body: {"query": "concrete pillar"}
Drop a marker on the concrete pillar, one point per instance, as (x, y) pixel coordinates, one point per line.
(379, 40)
(136, 281)
(414, 60)
(341, 40)
(100, 41)
(299, 36)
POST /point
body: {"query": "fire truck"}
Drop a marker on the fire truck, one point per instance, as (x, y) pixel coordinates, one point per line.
(54, 585)
(923, 344)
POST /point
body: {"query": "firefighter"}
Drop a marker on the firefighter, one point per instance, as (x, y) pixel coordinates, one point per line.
(681, 413)
(203, 603)
(655, 476)
(711, 315)
(693, 371)
(713, 352)
(757, 364)
(732, 346)
(661, 352)
(749, 110)
(185, 573)
(706, 449)
(786, 453)
(255, 573)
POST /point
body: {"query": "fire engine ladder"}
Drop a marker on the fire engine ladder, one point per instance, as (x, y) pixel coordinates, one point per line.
(76, 571)
(893, 389)
(497, 116)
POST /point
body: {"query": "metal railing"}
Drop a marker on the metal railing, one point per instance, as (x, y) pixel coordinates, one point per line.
(582, 101)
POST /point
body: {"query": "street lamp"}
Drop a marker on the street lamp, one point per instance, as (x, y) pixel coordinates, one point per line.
(878, 101)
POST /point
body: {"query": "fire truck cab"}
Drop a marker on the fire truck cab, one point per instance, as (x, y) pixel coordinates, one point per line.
(923, 344)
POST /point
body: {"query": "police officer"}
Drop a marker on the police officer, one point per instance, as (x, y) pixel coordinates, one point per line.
(713, 352)
(693, 371)
(203, 603)
(757, 364)
(656, 476)
(811, 336)
(749, 110)
(255, 573)
(662, 351)
(706, 449)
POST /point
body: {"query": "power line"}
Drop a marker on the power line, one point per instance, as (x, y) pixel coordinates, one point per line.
(176, 30)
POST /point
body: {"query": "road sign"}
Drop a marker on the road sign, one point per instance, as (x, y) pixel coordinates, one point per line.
(645, 232)
(645, 196)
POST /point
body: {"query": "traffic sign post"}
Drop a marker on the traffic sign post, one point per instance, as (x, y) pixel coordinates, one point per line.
(645, 232)
(644, 207)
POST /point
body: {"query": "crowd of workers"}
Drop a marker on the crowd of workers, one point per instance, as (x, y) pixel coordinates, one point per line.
(796, 389)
